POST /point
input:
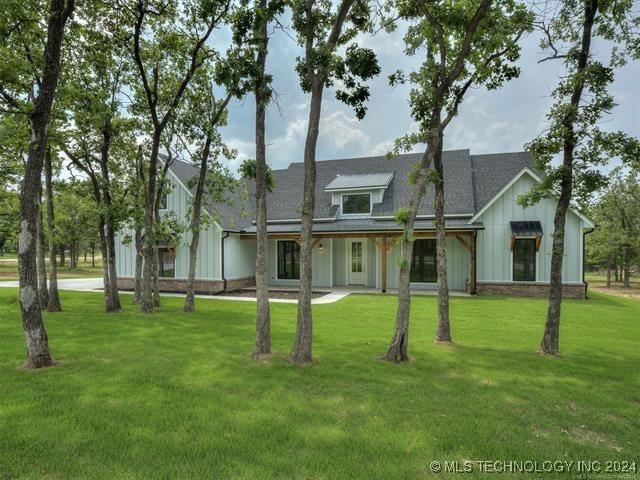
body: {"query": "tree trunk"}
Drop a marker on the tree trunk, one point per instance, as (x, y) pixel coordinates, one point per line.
(93, 256)
(137, 289)
(62, 255)
(38, 354)
(156, 277)
(627, 268)
(609, 271)
(109, 221)
(301, 352)
(111, 263)
(108, 303)
(615, 272)
(550, 339)
(41, 263)
(54, 298)
(443, 333)
(195, 227)
(262, 345)
(398, 349)
(150, 265)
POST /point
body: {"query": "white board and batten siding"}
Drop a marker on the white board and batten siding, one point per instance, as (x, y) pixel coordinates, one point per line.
(494, 256)
(239, 258)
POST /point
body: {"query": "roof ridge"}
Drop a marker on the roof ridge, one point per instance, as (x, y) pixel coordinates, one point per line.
(374, 157)
(499, 153)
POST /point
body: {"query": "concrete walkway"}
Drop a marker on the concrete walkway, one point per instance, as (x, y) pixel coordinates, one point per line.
(95, 284)
(333, 295)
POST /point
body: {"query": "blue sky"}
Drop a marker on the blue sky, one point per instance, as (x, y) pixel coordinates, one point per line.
(489, 121)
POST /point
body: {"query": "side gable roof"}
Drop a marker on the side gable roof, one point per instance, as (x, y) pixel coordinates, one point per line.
(473, 182)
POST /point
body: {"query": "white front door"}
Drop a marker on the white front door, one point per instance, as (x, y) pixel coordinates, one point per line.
(356, 266)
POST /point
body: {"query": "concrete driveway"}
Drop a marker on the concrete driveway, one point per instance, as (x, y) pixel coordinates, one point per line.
(76, 284)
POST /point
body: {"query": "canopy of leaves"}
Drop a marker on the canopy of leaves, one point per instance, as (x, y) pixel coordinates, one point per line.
(579, 124)
(323, 61)
(464, 44)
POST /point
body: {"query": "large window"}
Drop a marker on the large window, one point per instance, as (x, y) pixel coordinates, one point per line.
(288, 260)
(423, 261)
(356, 204)
(524, 260)
(167, 262)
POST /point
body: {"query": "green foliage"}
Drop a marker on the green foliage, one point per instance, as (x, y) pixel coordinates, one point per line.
(76, 216)
(322, 63)
(248, 171)
(9, 219)
(169, 229)
(402, 263)
(456, 57)
(402, 216)
(577, 125)
(616, 238)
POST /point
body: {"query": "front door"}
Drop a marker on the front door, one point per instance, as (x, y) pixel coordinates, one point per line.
(356, 262)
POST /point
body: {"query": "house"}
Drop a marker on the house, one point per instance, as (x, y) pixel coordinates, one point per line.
(494, 245)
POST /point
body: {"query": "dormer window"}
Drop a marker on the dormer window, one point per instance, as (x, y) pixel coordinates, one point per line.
(356, 204)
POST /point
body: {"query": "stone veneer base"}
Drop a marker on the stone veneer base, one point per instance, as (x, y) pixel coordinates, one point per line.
(203, 287)
(525, 289)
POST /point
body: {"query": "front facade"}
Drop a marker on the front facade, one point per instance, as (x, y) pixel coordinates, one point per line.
(494, 245)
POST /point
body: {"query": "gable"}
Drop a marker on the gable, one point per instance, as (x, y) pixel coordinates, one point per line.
(505, 207)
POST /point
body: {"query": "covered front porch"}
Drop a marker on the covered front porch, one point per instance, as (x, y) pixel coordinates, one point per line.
(369, 261)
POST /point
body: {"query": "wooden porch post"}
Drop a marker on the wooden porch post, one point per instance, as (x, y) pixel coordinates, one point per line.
(383, 251)
(472, 265)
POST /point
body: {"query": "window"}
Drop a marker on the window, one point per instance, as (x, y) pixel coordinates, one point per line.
(356, 204)
(423, 261)
(356, 257)
(288, 260)
(524, 260)
(167, 262)
(164, 200)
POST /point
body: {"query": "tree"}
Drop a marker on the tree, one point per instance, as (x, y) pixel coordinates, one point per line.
(97, 137)
(201, 117)
(24, 61)
(167, 41)
(581, 100)
(53, 303)
(616, 241)
(77, 219)
(321, 31)
(466, 44)
(259, 17)
(14, 131)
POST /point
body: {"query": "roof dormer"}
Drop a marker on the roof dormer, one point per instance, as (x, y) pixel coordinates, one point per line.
(355, 195)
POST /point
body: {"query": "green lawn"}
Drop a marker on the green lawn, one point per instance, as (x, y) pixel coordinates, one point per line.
(176, 396)
(9, 268)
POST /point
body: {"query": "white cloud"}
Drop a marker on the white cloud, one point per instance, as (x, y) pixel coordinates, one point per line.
(339, 131)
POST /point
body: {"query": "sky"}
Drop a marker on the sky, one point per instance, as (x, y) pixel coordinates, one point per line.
(502, 120)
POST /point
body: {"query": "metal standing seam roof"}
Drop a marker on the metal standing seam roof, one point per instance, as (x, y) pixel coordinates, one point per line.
(526, 229)
(367, 180)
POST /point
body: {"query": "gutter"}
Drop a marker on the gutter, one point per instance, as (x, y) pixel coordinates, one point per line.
(584, 257)
(224, 279)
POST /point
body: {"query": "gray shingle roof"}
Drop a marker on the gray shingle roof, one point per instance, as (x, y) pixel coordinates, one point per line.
(471, 181)
(367, 180)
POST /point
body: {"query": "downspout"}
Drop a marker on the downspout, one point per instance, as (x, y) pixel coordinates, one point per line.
(224, 279)
(584, 260)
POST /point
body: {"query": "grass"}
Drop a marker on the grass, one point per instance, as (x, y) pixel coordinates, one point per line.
(598, 282)
(9, 268)
(172, 395)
